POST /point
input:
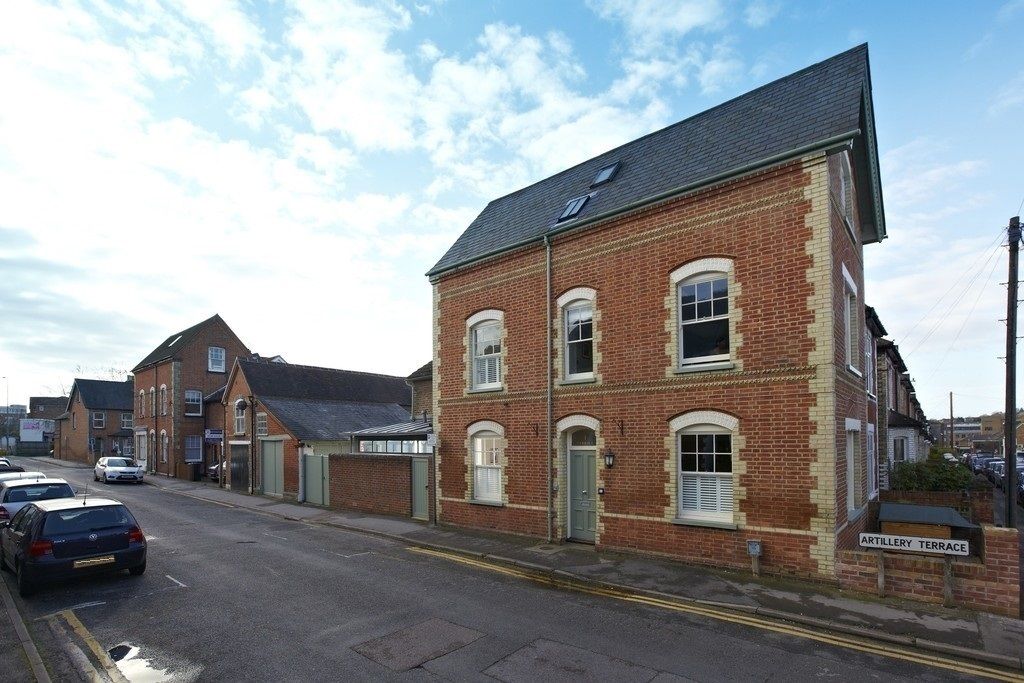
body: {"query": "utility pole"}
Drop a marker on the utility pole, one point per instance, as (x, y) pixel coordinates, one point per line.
(952, 442)
(1010, 422)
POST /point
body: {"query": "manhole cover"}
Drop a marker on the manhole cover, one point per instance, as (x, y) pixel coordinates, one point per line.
(410, 647)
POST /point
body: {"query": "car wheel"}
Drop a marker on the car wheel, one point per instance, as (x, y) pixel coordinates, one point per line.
(26, 587)
(138, 570)
(105, 478)
(94, 477)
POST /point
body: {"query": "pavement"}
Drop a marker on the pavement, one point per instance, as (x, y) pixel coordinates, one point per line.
(822, 609)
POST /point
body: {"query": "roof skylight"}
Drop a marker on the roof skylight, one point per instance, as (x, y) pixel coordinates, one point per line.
(606, 174)
(573, 207)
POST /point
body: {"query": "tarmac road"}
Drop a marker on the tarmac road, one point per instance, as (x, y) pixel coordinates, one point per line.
(235, 595)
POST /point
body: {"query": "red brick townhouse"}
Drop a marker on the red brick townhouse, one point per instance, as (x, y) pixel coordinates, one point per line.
(170, 386)
(97, 422)
(661, 348)
(283, 422)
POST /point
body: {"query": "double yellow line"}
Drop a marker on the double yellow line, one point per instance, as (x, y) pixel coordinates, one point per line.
(848, 642)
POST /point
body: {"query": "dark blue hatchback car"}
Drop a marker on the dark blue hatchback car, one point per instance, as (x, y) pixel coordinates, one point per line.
(57, 539)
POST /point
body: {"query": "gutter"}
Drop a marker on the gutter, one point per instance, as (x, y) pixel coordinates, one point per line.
(825, 144)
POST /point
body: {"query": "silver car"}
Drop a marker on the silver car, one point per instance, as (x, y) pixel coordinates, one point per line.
(117, 469)
(8, 476)
(17, 493)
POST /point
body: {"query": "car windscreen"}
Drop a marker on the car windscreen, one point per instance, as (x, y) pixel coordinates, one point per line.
(81, 519)
(33, 492)
(120, 462)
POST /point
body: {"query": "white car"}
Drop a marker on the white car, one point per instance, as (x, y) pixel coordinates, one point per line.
(17, 493)
(117, 469)
(7, 476)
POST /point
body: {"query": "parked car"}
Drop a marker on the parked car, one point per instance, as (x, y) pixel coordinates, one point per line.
(21, 474)
(4, 462)
(11, 468)
(50, 540)
(117, 469)
(979, 464)
(17, 493)
(994, 472)
(213, 471)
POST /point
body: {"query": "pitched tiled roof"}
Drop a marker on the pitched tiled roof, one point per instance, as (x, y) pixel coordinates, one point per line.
(99, 394)
(319, 420)
(325, 384)
(47, 407)
(813, 107)
(176, 341)
(425, 372)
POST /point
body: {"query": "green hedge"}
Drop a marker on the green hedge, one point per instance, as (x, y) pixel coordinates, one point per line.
(929, 475)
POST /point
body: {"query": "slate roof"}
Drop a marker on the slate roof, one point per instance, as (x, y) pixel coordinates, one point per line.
(174, 342)
(319, 420)
(815, 106)
(901, 421)
(425, 372)
(99, 394)
(215, 396)
(324, 384)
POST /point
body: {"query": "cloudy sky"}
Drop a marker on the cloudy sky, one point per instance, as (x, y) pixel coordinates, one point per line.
(297, 166)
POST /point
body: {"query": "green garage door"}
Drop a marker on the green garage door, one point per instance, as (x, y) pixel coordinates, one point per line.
(273, 467)
(317, 478)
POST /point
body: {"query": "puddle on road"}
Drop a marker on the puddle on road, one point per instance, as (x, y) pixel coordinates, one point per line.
(140, 670)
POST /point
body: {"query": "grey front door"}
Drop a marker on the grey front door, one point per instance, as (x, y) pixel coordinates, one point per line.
(273, 466)
(420, 501)
(582, 495)
(317, 477)
(239, 468)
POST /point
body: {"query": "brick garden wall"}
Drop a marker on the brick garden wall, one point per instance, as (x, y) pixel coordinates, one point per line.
(372, 482)
(989, 583)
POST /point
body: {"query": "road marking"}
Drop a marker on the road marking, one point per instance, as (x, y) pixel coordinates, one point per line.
(283, 538)
(347, 556)
(175, 580)
(104, 658)
(680, 605)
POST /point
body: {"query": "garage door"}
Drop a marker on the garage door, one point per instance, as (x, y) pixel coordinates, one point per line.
(272, 457)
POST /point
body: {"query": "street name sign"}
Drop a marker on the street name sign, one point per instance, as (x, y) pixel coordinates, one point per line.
(914, 544)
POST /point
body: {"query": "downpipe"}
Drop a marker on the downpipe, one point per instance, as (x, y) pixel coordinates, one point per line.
(550, 407)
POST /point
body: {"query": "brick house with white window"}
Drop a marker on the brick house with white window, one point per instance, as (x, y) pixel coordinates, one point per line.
(663, 348)
(171, 383)
(97, 423)
(904, 434)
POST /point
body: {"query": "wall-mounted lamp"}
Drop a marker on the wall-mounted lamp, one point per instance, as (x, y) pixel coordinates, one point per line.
(609, 458)
(240, 404)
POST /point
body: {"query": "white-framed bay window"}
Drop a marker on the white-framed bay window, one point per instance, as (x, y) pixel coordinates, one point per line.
(487, 461)
(485, 332)
(705, 448)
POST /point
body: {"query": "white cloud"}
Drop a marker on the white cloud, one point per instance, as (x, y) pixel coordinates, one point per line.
(759, 13)
(1010, 96)
(650, 21)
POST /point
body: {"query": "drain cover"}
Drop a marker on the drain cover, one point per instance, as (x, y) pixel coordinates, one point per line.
(410, 647)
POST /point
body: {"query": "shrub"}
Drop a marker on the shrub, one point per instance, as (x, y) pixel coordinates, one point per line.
(929, 475)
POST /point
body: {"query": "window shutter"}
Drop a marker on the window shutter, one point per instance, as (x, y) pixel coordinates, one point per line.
(487, 483)
(689, 498)
(725, 494)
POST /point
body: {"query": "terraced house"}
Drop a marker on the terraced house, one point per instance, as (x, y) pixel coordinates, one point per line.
(663, 348)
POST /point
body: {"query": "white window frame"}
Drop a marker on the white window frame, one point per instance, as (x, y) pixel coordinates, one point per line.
(872, 471)
(261, 424)
(163, 399)
(163, 446)
(694, 273)
(852, 453)
(152, 401)
(195, 394)
(99, 419)
(199, 447)
(142, 403)
(696, 483)
(870, 370)
(127, 421)
(487, 461)
(239, 417)
(578, 305)
(899, 454)
(475, 323)
(851, 321)
(216, 362)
